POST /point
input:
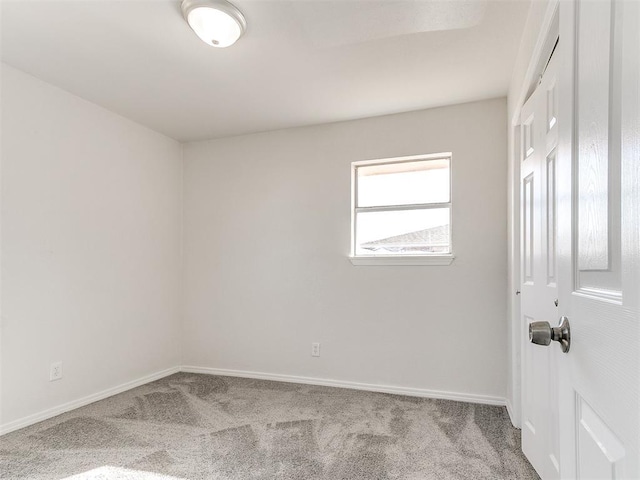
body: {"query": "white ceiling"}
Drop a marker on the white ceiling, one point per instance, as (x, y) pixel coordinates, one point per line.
(300, 62)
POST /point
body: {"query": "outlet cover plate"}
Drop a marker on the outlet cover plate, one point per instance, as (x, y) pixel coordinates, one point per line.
(55, 372)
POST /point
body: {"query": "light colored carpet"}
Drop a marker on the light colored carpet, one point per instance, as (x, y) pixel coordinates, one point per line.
(190, 426)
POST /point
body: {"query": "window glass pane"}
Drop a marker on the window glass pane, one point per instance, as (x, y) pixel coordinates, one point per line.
(424, 181)
(404, 232)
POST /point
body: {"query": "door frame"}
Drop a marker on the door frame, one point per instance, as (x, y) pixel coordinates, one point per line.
(544, 45)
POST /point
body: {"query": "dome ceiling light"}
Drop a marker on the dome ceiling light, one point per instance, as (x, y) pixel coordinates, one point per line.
(217, 22)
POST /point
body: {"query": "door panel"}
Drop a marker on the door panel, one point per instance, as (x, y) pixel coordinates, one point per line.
(599, 238)
(539, 289)
(598, 148)
(593, 45)
(550, 236)
(528, 228)
(600, 451)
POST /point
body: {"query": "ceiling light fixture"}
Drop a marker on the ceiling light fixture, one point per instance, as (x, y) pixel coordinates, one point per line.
(216, 22)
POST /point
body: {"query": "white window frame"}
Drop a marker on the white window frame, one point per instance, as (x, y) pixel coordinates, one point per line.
(405, 259)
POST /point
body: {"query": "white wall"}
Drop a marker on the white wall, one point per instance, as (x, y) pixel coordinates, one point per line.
(267, 222)
(91, 245)
(539, 15)
(91, 253)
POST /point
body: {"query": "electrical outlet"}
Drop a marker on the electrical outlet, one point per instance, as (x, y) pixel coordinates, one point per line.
(55, 372)
(315, 349)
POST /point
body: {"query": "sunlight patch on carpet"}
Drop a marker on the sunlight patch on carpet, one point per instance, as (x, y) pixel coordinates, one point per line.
(117, 473)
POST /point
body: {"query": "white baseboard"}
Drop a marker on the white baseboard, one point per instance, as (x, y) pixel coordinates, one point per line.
(413, 392)
(65, 407)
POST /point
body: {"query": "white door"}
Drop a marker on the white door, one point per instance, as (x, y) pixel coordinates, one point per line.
(598, 191)
(539, 290)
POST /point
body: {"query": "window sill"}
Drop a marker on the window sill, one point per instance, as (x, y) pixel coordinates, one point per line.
(402, 261)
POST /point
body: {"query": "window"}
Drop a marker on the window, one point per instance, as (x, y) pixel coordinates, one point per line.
(402, 211)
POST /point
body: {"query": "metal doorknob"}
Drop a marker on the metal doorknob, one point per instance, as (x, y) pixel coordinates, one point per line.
(541, 333)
